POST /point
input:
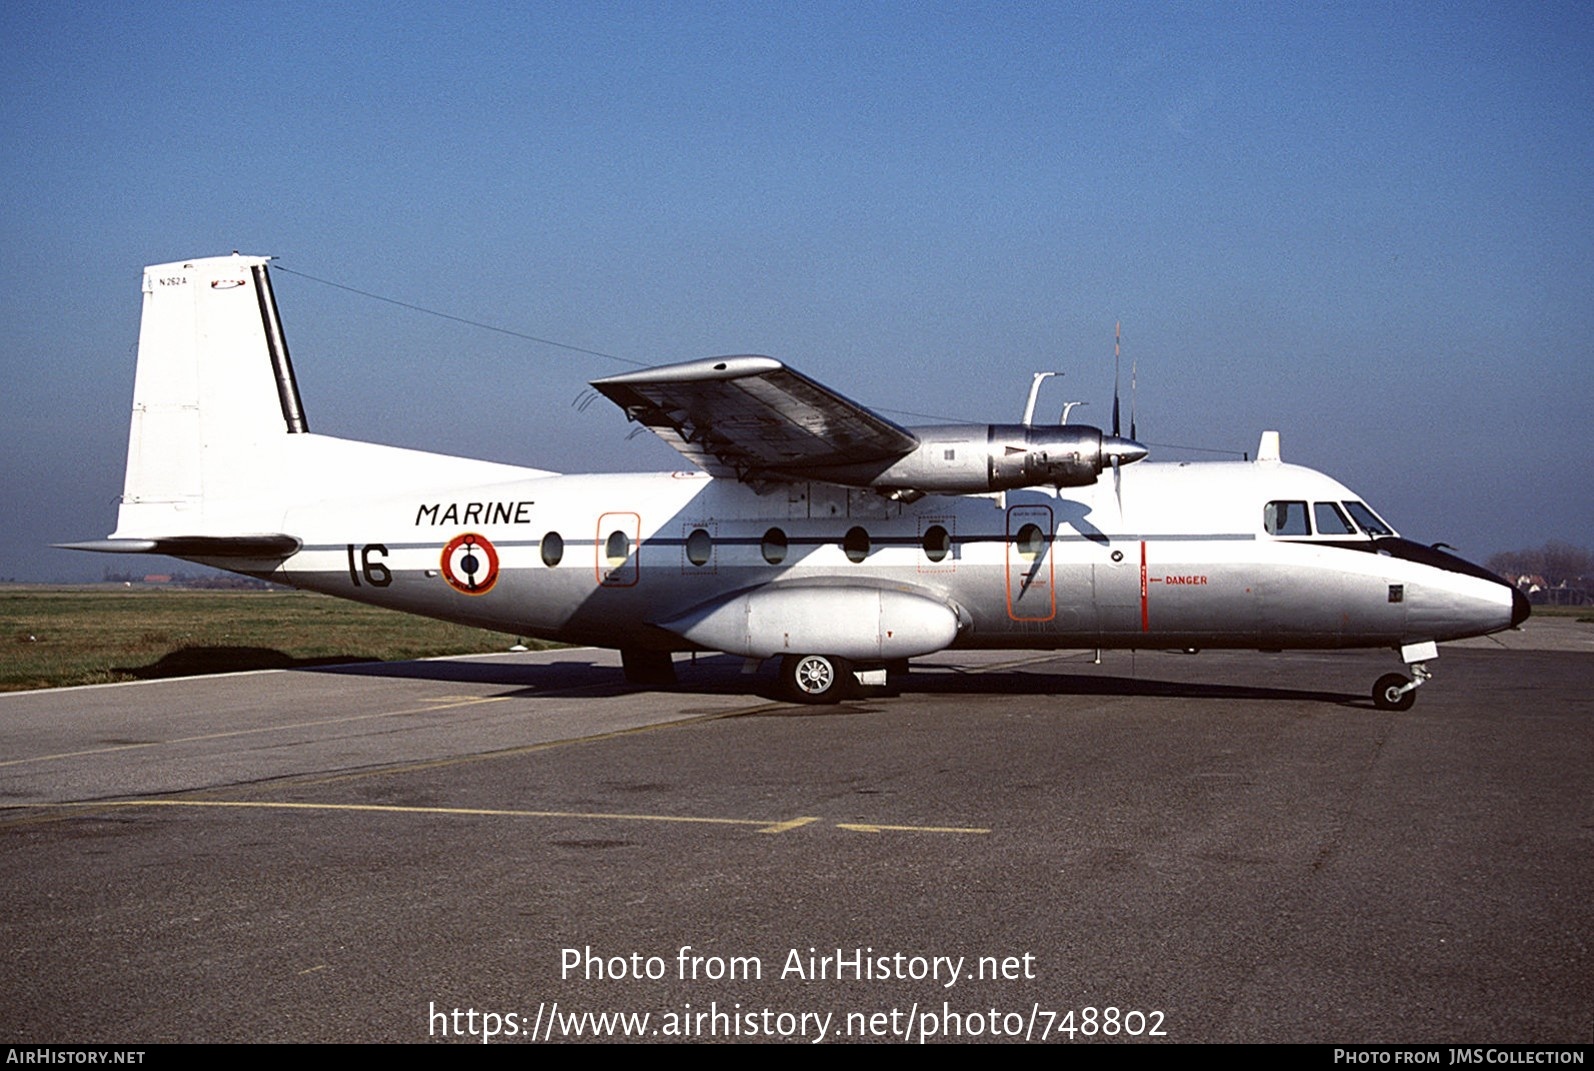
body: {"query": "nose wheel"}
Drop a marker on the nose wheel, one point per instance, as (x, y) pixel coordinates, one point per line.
(1395, 692)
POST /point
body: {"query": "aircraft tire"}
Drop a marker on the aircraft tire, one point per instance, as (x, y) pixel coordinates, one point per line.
(815, 678)
(1388, 696)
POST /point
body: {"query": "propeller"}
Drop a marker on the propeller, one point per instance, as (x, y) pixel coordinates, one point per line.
(1121, 450)
(1117, 336)
(1134, 392)
(1117, 475)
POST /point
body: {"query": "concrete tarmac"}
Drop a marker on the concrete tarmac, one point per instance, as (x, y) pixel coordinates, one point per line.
(1228, 846)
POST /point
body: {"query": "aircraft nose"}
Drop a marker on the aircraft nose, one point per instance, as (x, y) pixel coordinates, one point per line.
(1519, 608)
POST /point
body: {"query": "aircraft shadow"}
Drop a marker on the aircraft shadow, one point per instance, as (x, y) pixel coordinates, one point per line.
(1032, 683)
(539, 677)
(720, 675)
(203, 661)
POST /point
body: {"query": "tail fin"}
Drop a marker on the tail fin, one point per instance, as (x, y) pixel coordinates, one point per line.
(220, 451)
(213, 397)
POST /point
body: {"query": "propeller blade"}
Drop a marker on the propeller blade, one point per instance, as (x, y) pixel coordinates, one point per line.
(1134, 392)
(1117, 331)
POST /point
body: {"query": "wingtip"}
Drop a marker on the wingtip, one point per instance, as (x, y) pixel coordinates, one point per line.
(706, 368)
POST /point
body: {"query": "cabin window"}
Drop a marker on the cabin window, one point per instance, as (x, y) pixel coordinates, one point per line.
(617, 548)
(699, 545)
(1286, 518)
(1331, 520)
(856, 544)
(774, 546)
(937, 543)
(1371, 523)
(553, 549)
(1031, 541)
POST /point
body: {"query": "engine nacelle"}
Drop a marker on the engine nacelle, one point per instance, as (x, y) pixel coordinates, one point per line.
(960, 459)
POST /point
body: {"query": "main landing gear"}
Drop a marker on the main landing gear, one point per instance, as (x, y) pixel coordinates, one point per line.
(815, 678)
(820, 678)
(1395, 692)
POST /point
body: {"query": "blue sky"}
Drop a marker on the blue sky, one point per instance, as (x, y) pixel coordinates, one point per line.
(1369, 226)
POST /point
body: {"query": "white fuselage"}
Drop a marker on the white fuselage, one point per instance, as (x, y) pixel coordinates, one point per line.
(1176, 556)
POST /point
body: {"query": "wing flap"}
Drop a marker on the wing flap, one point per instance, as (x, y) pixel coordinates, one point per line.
(754, 419)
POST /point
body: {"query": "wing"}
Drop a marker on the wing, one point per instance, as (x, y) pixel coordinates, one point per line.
(754, 419)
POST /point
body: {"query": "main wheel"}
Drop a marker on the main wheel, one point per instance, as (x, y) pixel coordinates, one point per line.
(814, 678)
(1387, 694)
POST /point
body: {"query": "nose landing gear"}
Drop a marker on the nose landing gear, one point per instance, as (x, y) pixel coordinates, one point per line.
(1394, 692)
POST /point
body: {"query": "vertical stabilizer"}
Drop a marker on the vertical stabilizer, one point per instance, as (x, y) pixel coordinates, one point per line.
(213, 397)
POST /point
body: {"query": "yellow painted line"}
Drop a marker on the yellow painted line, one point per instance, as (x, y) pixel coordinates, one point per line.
(436, 705)
(859, 827)
(385, 808)
(763, 825)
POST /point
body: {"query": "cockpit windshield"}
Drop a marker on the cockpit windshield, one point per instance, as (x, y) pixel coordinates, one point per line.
(1330, 520)
(1286, 518)
(1371, 523)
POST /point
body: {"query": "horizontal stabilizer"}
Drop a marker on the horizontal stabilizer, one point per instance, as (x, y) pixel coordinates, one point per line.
(274, 545)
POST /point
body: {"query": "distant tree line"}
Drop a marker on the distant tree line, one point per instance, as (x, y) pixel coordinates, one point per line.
(1554, 573)
(209, 581)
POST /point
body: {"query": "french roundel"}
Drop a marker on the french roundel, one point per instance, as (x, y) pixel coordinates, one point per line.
(470, 564)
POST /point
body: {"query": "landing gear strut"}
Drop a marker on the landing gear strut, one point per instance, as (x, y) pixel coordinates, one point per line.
(1394, 692)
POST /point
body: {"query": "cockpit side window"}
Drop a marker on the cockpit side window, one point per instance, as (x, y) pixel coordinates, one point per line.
(1371, 523)
(1286, 518)
(1331, 520)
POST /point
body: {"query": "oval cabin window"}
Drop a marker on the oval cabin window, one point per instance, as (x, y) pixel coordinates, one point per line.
(553, 549)
(774, 546)
(618, 548)
(856, 544)
(1031, 541)
(699, 546)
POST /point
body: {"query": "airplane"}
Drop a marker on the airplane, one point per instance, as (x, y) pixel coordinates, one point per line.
(810, 528)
